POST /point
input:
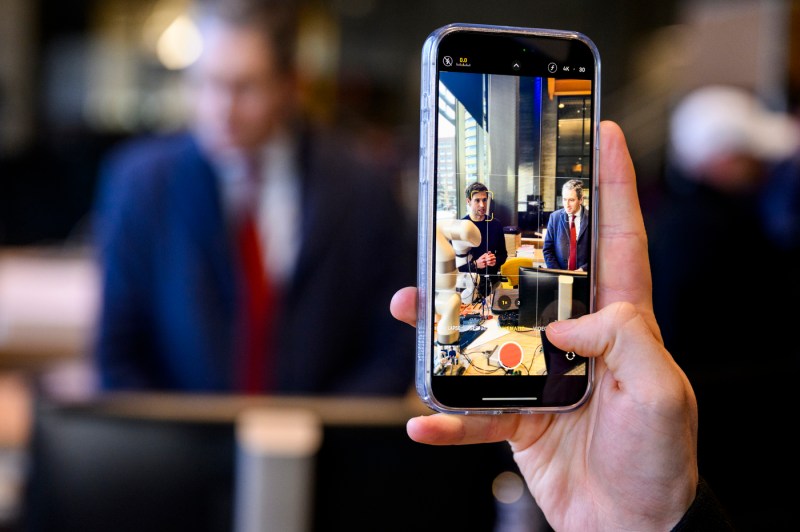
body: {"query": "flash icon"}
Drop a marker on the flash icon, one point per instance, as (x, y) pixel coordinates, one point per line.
(447, 60)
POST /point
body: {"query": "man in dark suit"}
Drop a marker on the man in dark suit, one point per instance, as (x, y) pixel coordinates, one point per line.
(556, 249)
(177, 312)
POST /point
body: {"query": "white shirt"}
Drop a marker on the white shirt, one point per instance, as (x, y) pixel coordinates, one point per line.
(578, 218)
(278, 197)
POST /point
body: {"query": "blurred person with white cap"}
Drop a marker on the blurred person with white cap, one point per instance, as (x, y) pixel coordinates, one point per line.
(719, 282)
(724, 137)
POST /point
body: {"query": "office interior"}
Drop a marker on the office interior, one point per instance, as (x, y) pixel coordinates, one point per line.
(523, 138)
(77, 78)
(540, 139)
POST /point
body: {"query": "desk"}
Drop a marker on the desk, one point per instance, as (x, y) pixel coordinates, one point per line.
(479, 357)
(537, 242)
(532, 247)
(225, 409)
(479, 351)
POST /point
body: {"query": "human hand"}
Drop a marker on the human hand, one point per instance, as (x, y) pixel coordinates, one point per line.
(627, 458)
(485, 260)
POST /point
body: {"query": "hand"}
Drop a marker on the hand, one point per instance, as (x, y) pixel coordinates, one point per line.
(627, 458)
(485, 260)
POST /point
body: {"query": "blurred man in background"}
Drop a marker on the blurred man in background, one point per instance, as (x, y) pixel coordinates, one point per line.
(720, 289)
(254, 253)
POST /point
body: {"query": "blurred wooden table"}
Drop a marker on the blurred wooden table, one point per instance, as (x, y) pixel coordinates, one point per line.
(226, 408)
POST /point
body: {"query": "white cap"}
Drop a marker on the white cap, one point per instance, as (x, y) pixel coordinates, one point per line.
(716, 120)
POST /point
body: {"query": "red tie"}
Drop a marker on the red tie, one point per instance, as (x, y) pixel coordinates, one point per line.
(257, 309)
(573, 245)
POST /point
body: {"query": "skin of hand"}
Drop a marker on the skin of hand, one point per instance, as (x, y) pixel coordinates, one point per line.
(627, 459)
(487, 259)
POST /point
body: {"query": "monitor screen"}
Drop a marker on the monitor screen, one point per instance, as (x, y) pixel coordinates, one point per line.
(539, 295)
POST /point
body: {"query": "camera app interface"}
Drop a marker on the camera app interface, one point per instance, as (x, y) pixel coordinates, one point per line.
(513, 226)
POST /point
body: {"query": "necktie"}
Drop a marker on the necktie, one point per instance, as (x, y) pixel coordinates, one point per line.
(573, 245)
(257, 305)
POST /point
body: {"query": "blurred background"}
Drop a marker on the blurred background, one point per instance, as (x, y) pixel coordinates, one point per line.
(78, 77)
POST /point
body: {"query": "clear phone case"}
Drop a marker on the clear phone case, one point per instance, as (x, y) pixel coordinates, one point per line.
(426, 275)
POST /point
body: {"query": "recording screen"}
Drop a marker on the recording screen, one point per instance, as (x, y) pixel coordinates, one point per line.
(512, 189)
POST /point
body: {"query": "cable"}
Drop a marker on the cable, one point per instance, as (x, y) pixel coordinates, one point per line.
(478, 369)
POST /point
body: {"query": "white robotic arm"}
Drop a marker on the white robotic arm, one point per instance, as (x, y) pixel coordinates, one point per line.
(454, 238)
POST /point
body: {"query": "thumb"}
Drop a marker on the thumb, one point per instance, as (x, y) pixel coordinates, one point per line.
(619, 335)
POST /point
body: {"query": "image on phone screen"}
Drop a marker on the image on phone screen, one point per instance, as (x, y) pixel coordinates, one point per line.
(513, 181)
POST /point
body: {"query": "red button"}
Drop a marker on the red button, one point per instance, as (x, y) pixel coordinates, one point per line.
(510, 355)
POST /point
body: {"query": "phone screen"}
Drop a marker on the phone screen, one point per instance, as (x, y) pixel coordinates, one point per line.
(511, 213)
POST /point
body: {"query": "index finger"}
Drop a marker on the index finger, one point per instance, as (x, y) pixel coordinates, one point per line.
(404, 305)
(451, 429)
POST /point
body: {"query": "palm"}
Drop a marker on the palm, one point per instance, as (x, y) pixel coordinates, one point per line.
(579, 464)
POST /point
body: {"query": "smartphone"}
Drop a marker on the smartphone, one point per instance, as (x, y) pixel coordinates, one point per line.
(508, 154)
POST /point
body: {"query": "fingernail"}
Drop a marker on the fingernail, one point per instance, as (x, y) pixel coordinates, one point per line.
(559, 327)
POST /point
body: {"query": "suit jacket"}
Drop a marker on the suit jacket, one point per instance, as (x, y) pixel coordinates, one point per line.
(171, 288)
(556, 241)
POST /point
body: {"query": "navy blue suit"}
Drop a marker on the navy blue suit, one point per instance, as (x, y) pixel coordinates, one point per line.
(171, 288)
(556, 241)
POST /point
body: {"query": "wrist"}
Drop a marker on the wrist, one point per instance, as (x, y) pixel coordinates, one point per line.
(704, 513)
